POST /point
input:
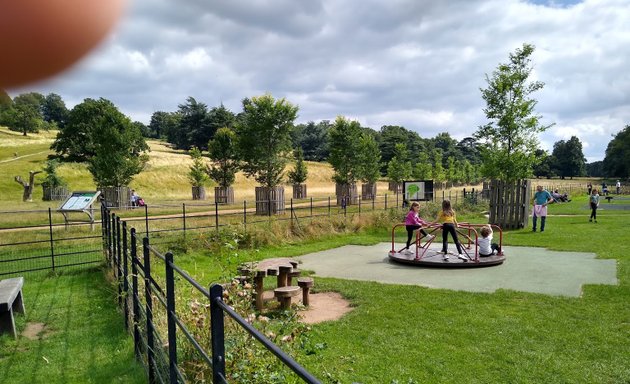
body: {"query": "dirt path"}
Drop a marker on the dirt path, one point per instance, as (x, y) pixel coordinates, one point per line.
(21, 157)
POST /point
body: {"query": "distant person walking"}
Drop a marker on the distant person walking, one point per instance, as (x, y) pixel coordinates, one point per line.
(594, 202)
(589, 188)
(542, 197)
(618, 185)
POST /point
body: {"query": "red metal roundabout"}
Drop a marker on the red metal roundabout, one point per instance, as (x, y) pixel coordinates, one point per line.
(428, 254)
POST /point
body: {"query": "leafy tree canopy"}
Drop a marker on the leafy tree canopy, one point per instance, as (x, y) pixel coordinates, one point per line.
(299, 173)
(399, 167)
(509, 139)
(369, 158)
(223, 153)
(617, 159)
(569, 160)
(264, 132)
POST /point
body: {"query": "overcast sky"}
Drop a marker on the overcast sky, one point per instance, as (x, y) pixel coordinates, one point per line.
(415, 63)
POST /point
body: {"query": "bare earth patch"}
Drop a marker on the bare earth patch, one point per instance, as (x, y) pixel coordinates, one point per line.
(325, 306)
(35, 331)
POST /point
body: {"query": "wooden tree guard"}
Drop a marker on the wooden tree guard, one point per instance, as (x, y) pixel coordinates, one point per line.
(117, 196)
(27, 194)
(299, 191)
(346, 194)
(368, 191)
(199, 193)
(224, 195)
(269, 201)
(55, 193)
(509, 203)
(395, 187)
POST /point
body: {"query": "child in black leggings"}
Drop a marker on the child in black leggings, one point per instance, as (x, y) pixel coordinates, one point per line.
(449, 224)
(413, 222)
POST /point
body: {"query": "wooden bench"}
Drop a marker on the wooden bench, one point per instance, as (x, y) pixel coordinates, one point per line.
(10, 300)
(284, 295)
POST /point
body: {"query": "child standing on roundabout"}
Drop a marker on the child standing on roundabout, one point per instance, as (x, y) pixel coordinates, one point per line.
(447, 218)
(414, 222)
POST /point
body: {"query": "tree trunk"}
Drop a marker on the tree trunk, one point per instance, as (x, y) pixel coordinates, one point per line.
(27, 194)
(368, 191)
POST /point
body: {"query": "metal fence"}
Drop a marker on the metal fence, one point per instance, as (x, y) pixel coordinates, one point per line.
(141, 296)
(40, 240)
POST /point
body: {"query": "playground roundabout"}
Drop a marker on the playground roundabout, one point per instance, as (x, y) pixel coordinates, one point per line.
(429, 253)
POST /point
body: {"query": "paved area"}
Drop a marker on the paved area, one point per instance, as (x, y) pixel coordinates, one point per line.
(526, 269)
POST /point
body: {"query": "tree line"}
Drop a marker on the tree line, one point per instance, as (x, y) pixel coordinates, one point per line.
(265, 137)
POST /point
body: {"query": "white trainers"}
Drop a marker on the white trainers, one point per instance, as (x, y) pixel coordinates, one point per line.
(430, 237)
(462, 257)
(408, 252)
(445, 257)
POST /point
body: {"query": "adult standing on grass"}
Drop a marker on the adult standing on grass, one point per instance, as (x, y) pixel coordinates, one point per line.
(618, 185)
(594, 201)
(542, 197)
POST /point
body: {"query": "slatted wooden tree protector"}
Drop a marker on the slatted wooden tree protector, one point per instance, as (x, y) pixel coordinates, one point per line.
(284, 295)
(305, 283)
(10, 301)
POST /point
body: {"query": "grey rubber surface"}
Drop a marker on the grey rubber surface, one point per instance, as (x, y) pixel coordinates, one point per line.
(526, 269)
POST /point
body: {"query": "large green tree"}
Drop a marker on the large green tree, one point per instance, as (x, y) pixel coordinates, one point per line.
(509, 140)
(264, 138)
(25, 114)
(344, 145)
(119, 149)
(79, 138)
(54, 110)
(164, 125)
(311, 137)
(369, 158)
(399, 167)
(298, 174)
(569, 160)
(224, 155)
(194, 128)
(617, 160)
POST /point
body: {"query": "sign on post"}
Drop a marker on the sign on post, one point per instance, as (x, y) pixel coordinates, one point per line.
(418, 190)
(80, 201)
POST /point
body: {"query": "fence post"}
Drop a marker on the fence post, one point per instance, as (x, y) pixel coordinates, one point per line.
(216, 216)
(397, 203)
(311, 206)
(359, 198)
(170, 309)
(184, 218)
(328, 206)
(217, 334)
(146, 220)
(52, 242)
(373, 200)
(148, 298)
(386, 201)
(125, 275)
(245, 214)
(114, 250)
(118, 258)
(291, 213)
(135, 298)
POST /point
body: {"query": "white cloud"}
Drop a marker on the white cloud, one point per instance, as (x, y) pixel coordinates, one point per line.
(416, 63)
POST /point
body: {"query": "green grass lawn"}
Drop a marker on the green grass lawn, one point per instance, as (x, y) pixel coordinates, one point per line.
(83, 339)
(407, 334)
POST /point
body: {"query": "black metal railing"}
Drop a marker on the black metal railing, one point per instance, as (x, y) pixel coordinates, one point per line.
(141, 296)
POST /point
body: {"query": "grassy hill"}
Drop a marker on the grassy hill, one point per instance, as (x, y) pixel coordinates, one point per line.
(164, 178)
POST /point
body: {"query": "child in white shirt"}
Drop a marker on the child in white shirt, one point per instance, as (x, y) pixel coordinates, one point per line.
(486, 246)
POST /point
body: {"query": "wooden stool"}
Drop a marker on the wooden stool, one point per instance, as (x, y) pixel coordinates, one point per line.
(283, 274)
(294, 273)
(259, 287)
(305, 283)
(294, 264)
(284, 295)
(272, 271)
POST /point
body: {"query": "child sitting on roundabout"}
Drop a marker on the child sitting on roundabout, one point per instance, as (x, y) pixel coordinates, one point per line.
(414, 222)
(486, 246)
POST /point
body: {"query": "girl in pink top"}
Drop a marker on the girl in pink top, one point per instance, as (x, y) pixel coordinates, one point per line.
(414, 222)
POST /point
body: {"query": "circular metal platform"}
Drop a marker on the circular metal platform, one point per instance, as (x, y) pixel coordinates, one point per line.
(433, 258)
